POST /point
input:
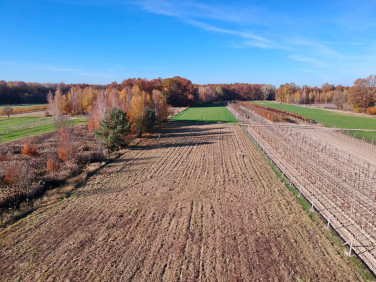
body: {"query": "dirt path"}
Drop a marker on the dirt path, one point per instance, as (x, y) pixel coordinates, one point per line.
(198, 204)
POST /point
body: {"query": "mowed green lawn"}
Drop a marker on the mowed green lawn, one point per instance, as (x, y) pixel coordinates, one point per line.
(17, 127)
(331, 119)
(207, 112)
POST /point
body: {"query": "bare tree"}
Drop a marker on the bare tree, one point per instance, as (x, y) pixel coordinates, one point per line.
(268, 91)
(339, 99)
(50, 101)
(58, 102)
(8, 111)
(101, 104)
(75, 100)
(114, 101)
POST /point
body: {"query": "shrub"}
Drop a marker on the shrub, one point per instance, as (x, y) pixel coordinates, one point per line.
(29, 150)
(19, 175)
(66, 152)
(52, 164)
(11, 175)
(371, 110)
(113, 128)
(3, 157)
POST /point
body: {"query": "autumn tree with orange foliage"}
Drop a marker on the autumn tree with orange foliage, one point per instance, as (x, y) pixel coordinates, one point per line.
(363, 94)
(137, 109)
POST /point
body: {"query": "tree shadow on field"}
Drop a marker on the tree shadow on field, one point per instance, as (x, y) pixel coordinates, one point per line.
(168, 145)
(188, 134)
(133, 160)
(192, 126)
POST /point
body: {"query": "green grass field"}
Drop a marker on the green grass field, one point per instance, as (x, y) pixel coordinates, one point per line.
(328, 118)
(18, 127)
(331, 119)
(369, 136)
(22, 106)
(208, 112)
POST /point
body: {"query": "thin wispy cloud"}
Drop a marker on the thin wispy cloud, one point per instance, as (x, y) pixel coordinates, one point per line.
(190, 12)
(318, 53)
(313, 61)
(77, 71)
(197, 10)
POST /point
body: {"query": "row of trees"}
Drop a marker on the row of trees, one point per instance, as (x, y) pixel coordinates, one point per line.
(177, 90)
(291, 93)
(361, 97)
(143, 103)
(141, 108)
(19, 92)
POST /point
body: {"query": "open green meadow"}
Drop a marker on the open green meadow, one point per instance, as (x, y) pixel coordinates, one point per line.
(22, 106)
(207, 112)
(328, 118)
(17, 127)
(331, 119)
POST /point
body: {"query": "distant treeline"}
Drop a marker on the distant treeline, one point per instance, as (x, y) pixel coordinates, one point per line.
(19, 92)
(177, 90)
(361, 97)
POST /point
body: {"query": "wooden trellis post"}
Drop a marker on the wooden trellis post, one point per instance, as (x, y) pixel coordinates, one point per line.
(351, 244)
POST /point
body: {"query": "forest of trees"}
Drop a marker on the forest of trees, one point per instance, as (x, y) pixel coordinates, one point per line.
(177, 90)
(19, 92)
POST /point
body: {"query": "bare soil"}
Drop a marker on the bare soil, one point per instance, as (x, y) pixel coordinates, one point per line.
(200, 203)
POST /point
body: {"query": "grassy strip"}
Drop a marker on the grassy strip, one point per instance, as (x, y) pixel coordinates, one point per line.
(328, 118)
(369, 136)
(35, 130)
(22, 106)
(14, 122)
(316, 217)
(206, 113)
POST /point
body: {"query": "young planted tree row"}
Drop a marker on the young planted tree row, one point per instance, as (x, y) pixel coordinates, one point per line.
(338, 184)
(273, 114)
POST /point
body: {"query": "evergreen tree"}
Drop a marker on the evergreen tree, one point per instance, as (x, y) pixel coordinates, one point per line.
(113, 128)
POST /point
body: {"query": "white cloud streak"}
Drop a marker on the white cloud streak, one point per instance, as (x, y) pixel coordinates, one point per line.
(184, 12)
(77, 71)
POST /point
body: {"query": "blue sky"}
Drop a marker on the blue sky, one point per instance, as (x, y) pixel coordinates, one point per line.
(97, 41)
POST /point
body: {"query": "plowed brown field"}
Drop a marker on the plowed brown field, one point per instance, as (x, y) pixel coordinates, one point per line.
(198, 204)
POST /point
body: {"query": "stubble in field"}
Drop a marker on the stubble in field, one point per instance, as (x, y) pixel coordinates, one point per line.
(198, 204)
